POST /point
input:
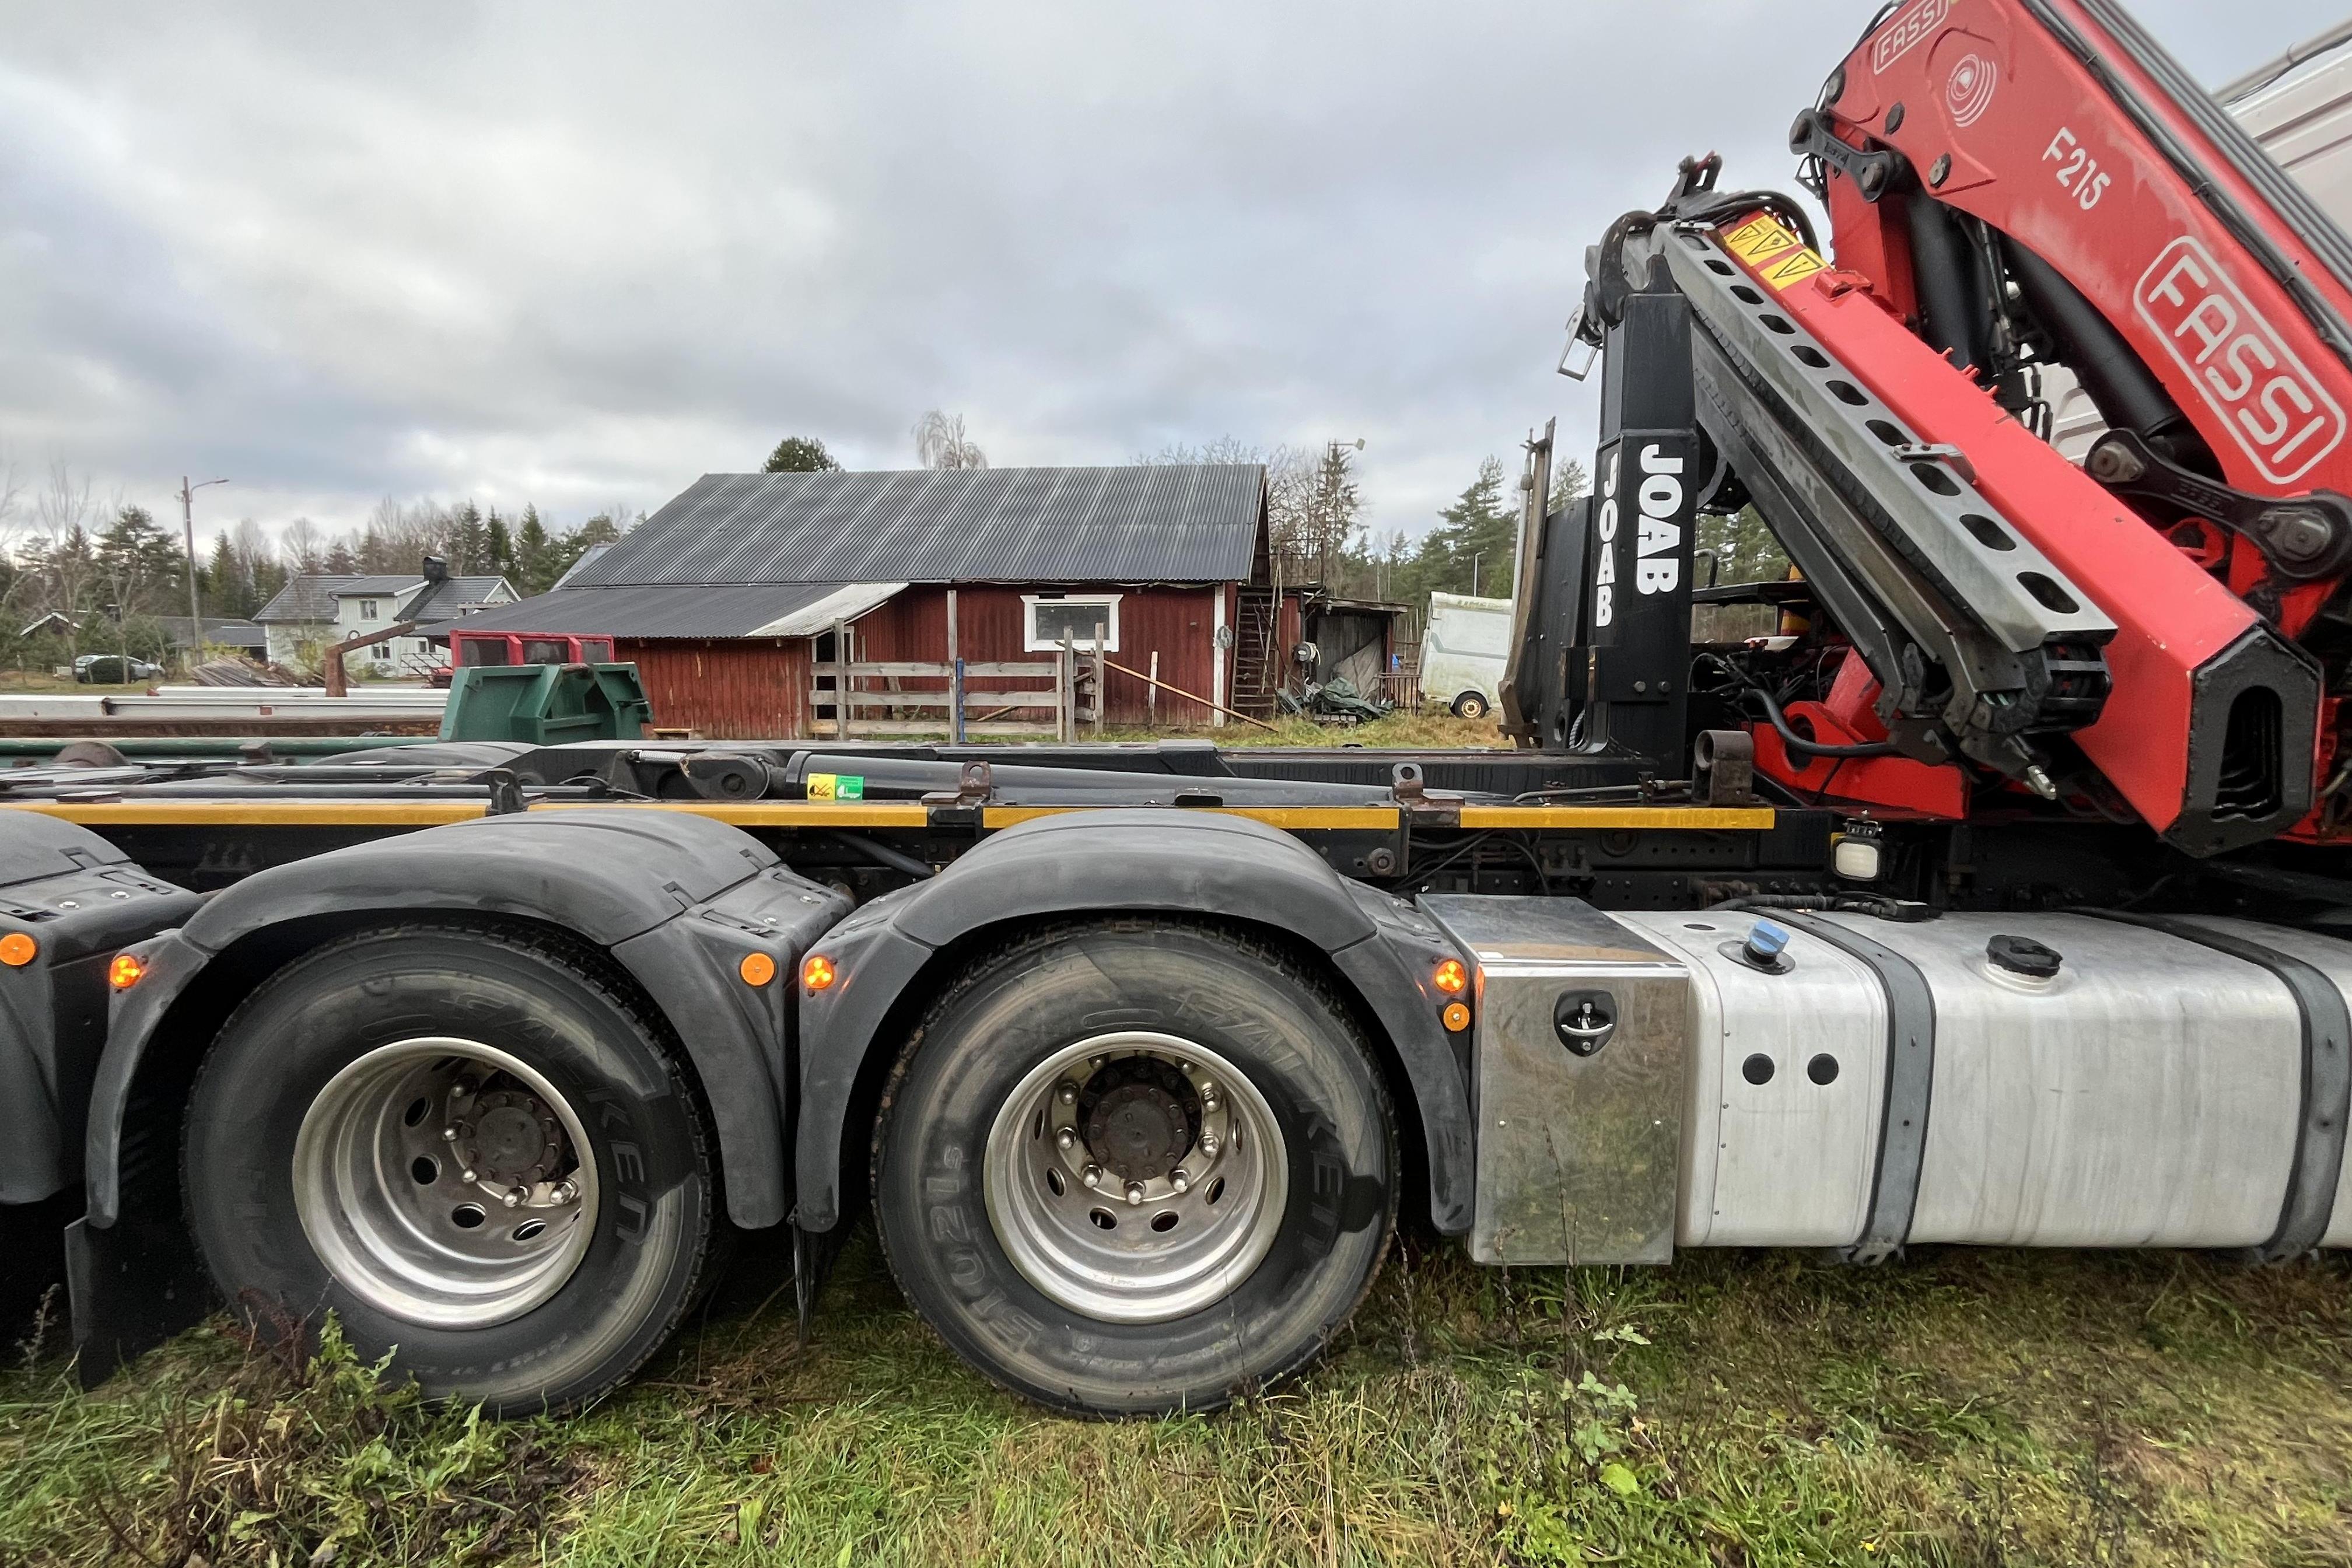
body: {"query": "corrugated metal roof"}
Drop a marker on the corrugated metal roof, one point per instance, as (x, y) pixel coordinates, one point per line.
(592, 553)
(1151, 523)
(767, 610)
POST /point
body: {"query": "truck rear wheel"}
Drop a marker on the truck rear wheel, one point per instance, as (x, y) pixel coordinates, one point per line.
(1470, 705)
(470, 1147)
(1136, 1168)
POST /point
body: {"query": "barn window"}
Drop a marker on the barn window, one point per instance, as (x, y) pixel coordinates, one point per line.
(1080, 617)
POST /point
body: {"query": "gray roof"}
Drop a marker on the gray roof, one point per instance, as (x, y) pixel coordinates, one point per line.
(589, 557)
(226, 633)
(310, 598)
(453, 593)
(1150, 523)
(789, 609)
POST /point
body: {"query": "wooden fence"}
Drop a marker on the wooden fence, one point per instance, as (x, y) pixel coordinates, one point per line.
(914, 697)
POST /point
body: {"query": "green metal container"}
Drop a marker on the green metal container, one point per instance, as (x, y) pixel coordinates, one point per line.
(546, 704)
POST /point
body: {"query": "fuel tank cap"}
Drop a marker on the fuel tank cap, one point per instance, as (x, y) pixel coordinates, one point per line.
(2023, 955)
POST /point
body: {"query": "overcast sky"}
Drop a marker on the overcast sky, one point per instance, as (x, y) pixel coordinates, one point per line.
(578, 253)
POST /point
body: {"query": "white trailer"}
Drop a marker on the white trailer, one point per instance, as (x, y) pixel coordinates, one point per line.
(1463, 651)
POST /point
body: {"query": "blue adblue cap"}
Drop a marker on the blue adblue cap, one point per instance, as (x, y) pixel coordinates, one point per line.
(1765, 943)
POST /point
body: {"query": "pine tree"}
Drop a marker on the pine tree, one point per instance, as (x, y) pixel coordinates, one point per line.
(468, 543)
(140, 564)
(1470, 548)
(225, 591)
(534, 557)
(340, 562)
(799, 455)
(497, 550)
(1568, 482)
(1332, 509)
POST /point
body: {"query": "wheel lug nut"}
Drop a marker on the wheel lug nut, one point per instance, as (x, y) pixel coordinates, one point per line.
(1066, 1139)
(513, 1197)
(1091, 1175)
(1134, 1193)
(1181, 1182)
(1067, 1093)
(448, 1135)
(1208, 1143)
(465, 1175)
(565, 1192)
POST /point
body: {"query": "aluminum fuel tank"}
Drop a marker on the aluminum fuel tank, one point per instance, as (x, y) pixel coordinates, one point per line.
(2176, 1084)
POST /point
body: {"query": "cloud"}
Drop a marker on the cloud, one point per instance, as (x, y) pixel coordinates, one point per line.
(580, 253)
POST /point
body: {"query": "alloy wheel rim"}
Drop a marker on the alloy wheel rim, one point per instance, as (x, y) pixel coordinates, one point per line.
(444, 1182)
(1136, 1176)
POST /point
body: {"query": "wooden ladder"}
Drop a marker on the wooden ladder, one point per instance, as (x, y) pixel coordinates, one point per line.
(1256, 657)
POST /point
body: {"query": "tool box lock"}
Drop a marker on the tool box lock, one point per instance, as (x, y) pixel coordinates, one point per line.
(1584, 1020)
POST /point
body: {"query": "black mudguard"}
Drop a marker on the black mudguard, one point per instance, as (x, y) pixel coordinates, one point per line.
(1107, 862)
(676, 899)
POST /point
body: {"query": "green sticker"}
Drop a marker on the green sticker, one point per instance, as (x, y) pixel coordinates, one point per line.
(849, 786)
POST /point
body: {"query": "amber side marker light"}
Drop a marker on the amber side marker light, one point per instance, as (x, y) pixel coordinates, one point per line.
(1456, 1016)
(757, 969)
(817, 973)
(124, 971)
(1450, 977)
(17, 950)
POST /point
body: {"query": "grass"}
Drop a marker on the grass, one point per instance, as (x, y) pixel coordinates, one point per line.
(30, 683)
(1961, 1408)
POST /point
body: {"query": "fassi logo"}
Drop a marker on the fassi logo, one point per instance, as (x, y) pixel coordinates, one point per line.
(2274, 409)
(1905, 30)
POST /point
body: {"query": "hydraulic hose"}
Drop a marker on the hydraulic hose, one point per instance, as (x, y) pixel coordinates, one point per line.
(1801, 746)
(897, 860)
(1906, 911)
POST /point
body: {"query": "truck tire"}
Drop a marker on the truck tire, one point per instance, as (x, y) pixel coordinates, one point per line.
(1135, 1167)
(470, 1145)
(1471, 705)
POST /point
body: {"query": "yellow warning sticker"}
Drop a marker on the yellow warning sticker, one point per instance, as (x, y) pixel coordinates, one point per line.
(1784, 270)
(1774, 250)
(1759, 236)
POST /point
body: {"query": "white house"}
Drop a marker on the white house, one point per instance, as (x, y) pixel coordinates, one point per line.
(331, 609)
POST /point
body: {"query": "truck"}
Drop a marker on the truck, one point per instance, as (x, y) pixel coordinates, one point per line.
(1463, 651)
(1998, 897)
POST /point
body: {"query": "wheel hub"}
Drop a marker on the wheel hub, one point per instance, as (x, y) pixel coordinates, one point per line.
(1135, 1176)
(510, 1139)
(444, 1182)
(1141, 1117)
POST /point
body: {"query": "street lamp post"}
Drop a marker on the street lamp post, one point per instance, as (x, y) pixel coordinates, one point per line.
(188, 530)
(1475, 556)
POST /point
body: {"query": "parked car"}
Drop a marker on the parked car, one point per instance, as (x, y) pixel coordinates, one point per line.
(113, 669)
(1463, 651)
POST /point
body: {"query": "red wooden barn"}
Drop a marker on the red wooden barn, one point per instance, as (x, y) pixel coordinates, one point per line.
(728, 598)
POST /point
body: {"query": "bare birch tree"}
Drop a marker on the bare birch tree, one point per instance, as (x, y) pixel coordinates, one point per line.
(942, 442)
